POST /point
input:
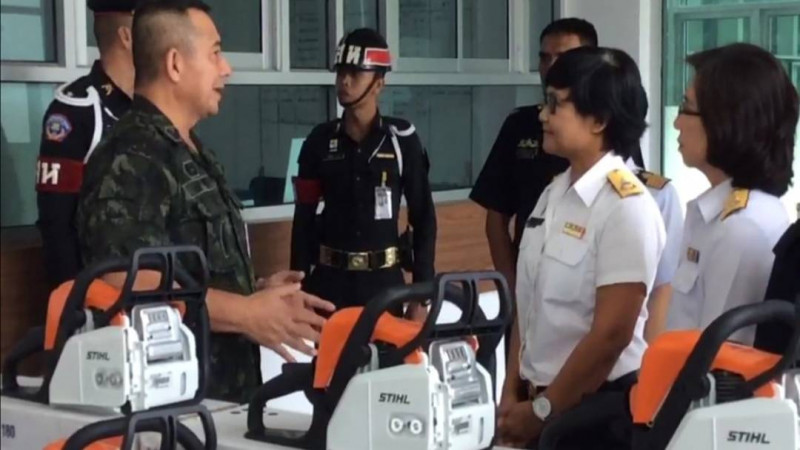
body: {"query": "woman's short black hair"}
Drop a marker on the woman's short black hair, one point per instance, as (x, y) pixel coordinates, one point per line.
(749, 110)
(605, 83)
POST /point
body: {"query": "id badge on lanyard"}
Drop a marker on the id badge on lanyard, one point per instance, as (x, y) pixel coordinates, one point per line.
(383, 200)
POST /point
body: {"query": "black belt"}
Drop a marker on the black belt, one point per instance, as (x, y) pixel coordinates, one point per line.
(621, 384)
(359, 261)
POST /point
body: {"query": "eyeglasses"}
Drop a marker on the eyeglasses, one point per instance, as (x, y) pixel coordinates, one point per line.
(686, 111)
(552, 102)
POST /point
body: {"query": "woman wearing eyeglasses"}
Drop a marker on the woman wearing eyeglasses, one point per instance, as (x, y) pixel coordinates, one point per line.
(588, 255)
(737, 126)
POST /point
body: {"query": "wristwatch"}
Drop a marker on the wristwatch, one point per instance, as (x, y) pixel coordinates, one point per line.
(542, 408)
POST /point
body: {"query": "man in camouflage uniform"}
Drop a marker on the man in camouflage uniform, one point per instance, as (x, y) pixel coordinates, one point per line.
(151, 182)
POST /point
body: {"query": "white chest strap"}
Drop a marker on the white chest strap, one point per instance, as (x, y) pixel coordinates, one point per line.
(92, 99)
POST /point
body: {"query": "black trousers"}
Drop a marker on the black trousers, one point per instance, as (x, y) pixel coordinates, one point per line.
(346, 288)
(607, 436)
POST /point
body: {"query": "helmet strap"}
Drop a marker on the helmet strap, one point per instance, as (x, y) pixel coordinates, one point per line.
(361, 97)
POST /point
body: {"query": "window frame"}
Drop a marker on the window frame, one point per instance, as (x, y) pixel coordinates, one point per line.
(675, 18)
(272, 66)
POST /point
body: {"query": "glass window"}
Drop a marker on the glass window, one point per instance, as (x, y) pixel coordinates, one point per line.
(257, 137)
(428, 28)
(27, 30)
(717, 2)
(784, 42)
(485, 29)
(22, 108)
(239, 25)
(541, 14)
(441, 114)
(308, 30)
(360, 14)
(777, 29)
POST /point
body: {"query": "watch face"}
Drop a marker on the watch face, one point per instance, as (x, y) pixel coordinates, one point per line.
(541, 407)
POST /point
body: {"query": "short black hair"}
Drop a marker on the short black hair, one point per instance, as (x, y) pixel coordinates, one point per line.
(105, 29)
(749, 110)
(159, 25)
(605, 83)
(572, 25)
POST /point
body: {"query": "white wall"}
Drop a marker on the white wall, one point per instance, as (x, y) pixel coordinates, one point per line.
(635, 27)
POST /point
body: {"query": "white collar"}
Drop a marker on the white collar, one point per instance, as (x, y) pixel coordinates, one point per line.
(711, 202)
(588, 186)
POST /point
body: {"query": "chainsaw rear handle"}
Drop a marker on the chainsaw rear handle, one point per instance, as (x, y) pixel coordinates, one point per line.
(691, 382)
(165, 422)
(294, 377)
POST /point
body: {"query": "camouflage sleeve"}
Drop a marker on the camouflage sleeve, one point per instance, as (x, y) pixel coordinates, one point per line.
(124, 209)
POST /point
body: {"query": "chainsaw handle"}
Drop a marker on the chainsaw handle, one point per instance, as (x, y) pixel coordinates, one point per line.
(473, 321)
(690, 383)
(32, 343)
(166, 422)
(294, 377)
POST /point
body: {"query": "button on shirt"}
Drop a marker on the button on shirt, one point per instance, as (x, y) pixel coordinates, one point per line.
(579, 238)
(726, 255)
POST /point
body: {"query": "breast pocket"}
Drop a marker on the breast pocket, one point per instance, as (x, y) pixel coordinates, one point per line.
(685, 277)
(217, 236)
(335, 175)
(568, 267)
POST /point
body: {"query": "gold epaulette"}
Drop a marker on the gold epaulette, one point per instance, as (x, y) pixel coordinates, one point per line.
(624, 183)
(653, 180)
(736, 201)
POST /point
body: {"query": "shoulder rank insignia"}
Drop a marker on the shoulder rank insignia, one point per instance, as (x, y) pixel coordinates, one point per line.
(737, 200)
(653, 180)
(624, 183)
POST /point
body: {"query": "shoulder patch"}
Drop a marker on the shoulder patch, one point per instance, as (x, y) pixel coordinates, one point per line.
(624, 182)
(57, 127)
(737, 200)
(653, 180)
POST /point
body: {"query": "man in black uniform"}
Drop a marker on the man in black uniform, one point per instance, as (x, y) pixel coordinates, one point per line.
(783, 285)
(517, 171)
(360, 166)
(80, 115)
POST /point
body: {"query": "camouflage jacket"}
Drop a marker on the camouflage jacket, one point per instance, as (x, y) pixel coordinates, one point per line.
(145, 187)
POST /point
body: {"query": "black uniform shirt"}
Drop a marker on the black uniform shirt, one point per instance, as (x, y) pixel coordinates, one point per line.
(77, 119)
(517, 170)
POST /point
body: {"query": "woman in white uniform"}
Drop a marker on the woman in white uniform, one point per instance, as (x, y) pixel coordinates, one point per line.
(588, 255)
(737, 126)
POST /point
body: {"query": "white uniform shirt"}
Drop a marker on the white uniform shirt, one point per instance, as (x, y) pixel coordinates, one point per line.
(666, 197)
(726, 255)
(577, 239)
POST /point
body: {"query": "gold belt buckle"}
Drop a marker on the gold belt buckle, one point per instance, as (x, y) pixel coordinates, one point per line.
(358, 261)
(391, 258)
